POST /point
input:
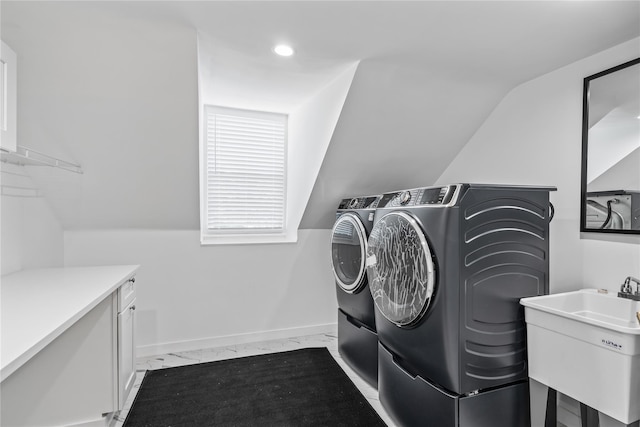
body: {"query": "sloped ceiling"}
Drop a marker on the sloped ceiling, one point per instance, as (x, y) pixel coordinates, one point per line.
(113, 86)
(422, 109)
(624, 175)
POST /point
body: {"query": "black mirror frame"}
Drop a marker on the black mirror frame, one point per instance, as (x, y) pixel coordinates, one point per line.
(585, 143)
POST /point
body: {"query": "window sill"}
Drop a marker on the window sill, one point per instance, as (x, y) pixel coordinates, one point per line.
(249, 239)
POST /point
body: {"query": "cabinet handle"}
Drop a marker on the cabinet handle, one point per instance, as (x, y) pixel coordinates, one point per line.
(133, 307)
(132, 280)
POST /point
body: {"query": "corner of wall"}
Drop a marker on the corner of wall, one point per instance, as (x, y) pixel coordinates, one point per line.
(31, 236)
(311, 128)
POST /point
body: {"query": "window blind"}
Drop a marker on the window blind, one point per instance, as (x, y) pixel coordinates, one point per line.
(245, 170)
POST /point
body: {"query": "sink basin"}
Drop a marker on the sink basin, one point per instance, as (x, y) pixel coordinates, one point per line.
(586, 344)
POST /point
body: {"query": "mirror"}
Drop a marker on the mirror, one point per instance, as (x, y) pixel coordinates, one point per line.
(610, 193)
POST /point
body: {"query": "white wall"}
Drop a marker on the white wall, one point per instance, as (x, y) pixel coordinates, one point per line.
(400, 127)
(192, 296)
(30, 234)
(624, 175)
(534, 137)
(105, 88)
(311, 127)
(311, 123)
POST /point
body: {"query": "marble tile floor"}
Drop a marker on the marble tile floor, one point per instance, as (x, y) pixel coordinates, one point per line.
(220, 353)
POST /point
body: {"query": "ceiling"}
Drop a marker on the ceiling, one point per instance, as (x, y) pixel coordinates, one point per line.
(510, 41)
(430, 73)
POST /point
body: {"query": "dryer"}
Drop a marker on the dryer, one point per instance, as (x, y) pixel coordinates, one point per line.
(357, 337)
(447, 268)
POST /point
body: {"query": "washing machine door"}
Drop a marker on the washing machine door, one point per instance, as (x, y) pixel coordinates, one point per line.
(400, 268)
(348, 251)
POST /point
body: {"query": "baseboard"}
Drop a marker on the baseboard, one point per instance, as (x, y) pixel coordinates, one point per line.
(101, 422)
(223, 341)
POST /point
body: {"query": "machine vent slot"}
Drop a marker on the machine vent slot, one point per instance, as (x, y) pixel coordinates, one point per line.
(508, 230)
(507, 207)
(503, 251)
(508, 350)
(494, 373)
(491, 362)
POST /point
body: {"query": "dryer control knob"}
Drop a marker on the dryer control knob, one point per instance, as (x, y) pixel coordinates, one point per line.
(404, 197)
(353, 203)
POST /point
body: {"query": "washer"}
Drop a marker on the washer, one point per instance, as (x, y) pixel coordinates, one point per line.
(447, 268)
(357, 337)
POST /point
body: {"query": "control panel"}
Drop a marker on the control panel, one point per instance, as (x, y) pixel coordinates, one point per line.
(435, 195)
(369, 202)
(399, 198)
(418, 197)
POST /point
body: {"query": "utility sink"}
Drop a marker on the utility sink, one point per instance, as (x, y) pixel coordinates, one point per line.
(586, 344)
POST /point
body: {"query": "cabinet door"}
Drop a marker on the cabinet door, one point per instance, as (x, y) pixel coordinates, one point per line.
(126, 352)
(8, 98)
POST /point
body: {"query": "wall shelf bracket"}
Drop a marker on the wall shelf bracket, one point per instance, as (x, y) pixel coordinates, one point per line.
(28, 157)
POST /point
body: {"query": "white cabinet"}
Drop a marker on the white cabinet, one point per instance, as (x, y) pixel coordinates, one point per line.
(83, 376)
(8, 98)
(71, 379)
(126, 340)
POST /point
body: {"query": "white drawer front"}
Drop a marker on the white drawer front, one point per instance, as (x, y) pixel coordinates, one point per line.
(126, 294)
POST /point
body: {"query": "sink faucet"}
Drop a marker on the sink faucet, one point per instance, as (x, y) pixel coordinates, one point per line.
(626, 291)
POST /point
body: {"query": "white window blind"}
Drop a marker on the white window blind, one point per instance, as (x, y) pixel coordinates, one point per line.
(245, 170)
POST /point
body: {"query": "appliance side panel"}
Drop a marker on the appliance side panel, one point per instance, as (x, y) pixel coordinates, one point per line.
(504, 256)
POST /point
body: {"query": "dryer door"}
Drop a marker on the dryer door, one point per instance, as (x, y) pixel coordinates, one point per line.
(400, 268)
(348, 250)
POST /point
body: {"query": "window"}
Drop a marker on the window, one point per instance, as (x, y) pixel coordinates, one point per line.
(243, 173)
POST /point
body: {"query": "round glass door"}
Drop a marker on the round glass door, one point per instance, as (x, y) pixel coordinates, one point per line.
(348, 249)
(400, 268)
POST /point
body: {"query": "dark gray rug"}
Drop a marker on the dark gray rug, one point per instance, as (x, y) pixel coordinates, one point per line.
(294, 388)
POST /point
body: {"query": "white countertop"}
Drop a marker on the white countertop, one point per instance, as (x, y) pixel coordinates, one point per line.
(39, 305)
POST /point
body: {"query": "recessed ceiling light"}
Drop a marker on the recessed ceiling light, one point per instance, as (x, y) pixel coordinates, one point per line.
(283, 50)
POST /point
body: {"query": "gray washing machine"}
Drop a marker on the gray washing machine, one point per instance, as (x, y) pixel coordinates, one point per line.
(357, 337)
(447, 268)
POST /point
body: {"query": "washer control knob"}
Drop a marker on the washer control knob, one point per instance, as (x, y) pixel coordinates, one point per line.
(404, 197)
(353, 203)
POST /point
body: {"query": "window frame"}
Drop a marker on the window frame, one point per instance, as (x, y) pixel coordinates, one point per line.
(238, 235)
